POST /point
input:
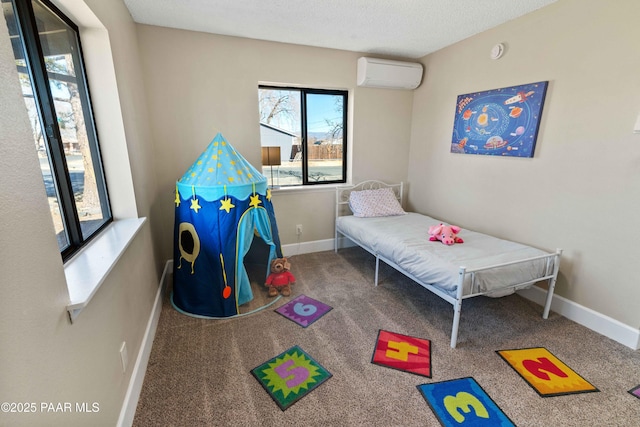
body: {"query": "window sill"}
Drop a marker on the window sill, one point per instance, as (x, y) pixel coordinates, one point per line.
(306, 188)
(86, 271)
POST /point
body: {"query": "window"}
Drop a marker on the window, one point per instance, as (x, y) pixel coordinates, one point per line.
(309, 126)
(48, 55)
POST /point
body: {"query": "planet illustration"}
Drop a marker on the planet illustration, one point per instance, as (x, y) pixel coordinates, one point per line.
(515, 112)
(519, 131)
(495, 142)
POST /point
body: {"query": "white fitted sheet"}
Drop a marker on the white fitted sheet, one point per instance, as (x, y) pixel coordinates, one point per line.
(404, 240)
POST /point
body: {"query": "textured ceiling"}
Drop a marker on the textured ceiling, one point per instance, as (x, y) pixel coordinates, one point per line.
(401, 28)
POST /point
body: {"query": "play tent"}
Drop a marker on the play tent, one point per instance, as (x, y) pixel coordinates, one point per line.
(222, 204)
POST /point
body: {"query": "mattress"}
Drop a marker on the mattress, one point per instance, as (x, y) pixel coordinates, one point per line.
(404, 240)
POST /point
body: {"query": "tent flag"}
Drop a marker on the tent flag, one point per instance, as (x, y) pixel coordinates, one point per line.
(221, 204)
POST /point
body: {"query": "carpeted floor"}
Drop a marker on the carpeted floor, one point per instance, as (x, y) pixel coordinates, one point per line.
(199, 370)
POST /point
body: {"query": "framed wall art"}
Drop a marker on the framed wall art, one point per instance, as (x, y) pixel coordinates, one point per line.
(499, 122)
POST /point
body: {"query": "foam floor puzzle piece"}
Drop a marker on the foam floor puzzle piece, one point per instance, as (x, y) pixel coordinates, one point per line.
(403, 352)
(290, 376)
(303, 310)
(462, 402)
(545, 373)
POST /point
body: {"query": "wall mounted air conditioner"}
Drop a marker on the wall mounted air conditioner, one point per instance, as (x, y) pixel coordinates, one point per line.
(384, 73)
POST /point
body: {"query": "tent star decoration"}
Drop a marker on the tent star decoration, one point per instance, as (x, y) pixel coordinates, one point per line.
(195, 205)
(255, 201)
(226, 205)
(177, 200)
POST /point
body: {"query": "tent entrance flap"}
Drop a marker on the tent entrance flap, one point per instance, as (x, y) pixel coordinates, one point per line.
(255, 222)
(256, 264)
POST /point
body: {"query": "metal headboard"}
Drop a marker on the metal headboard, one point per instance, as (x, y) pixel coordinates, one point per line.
(343, 193)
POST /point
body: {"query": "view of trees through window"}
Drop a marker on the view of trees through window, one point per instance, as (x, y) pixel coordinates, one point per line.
(48, 60)
(309, 128)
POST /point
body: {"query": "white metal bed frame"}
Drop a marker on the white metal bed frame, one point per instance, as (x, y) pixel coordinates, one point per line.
(551, 270)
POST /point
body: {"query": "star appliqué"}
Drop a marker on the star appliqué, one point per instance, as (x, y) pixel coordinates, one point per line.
(195, 205)
(255, 201)
(226, 205)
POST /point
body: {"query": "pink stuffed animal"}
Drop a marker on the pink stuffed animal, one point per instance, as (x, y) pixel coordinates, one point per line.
(445, 233)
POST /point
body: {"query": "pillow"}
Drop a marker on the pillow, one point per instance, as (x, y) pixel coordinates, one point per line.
(374, 203)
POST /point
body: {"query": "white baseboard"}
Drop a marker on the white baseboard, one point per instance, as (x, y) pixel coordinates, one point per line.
(315, 246)
(128, 411)
(604, 325)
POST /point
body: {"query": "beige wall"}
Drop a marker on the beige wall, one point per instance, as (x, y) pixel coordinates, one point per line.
(43, 357)
(199, 84)
(581, 191)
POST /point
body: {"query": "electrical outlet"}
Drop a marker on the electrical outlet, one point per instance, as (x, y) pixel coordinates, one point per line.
(298, 229)
(124, 358)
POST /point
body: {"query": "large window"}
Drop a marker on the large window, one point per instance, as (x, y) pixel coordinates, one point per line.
(308, 129)
(48, 55)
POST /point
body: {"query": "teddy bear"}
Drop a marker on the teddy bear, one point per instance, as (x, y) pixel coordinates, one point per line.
(445, 233)
(280, 278)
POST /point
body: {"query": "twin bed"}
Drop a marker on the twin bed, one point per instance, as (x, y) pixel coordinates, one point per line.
(370, 214)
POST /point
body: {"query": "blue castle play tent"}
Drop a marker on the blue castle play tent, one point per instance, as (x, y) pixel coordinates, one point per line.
(222, 204)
